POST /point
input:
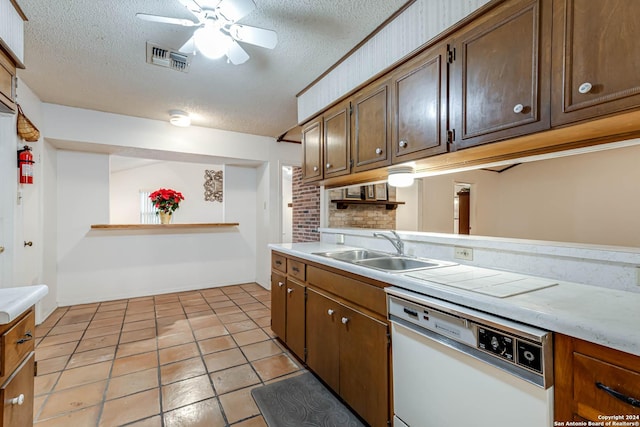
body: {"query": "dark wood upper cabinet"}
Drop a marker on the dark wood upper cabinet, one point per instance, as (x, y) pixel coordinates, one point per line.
(336, 140)
(371, 124)
(499, 74)
(420, 106)
(596, 58)
(312, 148)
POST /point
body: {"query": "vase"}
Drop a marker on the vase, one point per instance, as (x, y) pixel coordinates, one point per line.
(165, 217)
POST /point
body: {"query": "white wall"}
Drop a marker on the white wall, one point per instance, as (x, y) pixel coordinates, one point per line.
(187, 178)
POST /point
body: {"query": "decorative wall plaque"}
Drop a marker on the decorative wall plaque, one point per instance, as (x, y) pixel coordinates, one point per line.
(212, 186)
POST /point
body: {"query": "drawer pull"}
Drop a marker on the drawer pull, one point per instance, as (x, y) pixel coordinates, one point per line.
(17, 400)
(289, 290)
(27, 337)
(296, 269)
(278, 262)
(280, 284)
(626, 399)
(330, 312)
(345, 320)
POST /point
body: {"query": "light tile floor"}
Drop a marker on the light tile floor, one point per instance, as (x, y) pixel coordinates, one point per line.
(182, 359)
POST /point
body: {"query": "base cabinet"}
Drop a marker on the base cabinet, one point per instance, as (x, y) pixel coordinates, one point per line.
(349, 351)
(17, 369)
(592, 381)
(288, 308)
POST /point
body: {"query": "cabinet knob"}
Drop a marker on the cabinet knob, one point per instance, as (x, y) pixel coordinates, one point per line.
(280, 284)
(378, 150)
(585, 87)
(315, 169)
(289, 290)
(518, 108)
(17, 400)
(330, 312)
(403, 143)
(345, 320)
(328, 165)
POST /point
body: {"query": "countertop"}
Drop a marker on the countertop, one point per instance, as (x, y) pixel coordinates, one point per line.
(599, 315)
(15, 301)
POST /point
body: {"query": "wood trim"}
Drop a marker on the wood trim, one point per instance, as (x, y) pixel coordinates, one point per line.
(161, 226)
(18, 9)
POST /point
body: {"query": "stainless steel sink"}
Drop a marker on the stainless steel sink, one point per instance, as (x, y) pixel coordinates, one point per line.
(398, 264)
(382, 260)
(354, 255)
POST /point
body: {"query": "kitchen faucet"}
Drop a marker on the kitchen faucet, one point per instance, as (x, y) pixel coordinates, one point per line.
(397, 242)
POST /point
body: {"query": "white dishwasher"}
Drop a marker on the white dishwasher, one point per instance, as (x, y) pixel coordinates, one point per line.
(454, 366)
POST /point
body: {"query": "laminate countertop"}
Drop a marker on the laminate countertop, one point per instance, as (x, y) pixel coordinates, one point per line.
(596, 314)
(15, 301)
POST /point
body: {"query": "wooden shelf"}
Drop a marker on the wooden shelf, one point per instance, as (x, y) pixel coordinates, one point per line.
(161, 226)
(344, 203)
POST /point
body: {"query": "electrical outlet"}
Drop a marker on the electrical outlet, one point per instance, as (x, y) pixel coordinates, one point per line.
(463, 253)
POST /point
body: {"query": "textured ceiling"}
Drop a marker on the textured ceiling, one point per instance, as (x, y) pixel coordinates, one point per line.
(91, 54)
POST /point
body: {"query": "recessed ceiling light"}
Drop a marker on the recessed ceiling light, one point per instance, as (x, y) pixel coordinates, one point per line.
(179, 118)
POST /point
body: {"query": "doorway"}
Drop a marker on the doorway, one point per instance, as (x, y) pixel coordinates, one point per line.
(286, 207)
(462, 208)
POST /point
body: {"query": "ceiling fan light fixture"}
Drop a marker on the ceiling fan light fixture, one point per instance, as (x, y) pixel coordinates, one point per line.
(211, 42)
(179, 118)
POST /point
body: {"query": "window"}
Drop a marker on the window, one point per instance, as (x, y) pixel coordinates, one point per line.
(147, 210)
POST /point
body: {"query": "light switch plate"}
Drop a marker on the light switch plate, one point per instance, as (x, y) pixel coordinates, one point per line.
(463, 253)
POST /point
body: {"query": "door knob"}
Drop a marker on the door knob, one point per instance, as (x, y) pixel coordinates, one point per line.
(315, 169)
(403, 144)
(29, 243)
(328, 165)
(1, 249)
(289, 290)
(330, 312)
(378, 151)
(345, 320)
(518, 108)
(280, 284)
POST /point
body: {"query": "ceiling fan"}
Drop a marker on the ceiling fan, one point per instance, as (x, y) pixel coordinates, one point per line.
(217, 31)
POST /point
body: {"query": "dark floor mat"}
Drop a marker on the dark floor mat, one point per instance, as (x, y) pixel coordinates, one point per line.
(302, 401)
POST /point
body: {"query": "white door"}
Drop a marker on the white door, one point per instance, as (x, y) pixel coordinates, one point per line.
(8, 175)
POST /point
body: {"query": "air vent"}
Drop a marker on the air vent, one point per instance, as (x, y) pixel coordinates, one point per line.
(168, 58)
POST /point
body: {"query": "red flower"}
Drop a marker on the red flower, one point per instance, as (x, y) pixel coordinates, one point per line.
(166, 200)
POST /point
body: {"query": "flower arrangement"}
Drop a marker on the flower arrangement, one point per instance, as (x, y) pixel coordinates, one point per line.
(166, 200)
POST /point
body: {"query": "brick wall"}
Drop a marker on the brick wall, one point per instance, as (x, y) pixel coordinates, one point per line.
(361, 216)
(306, 209)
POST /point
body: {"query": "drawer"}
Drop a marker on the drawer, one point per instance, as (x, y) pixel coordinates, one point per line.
(16, 343)
(278, 262)
(593, 400)
(358, 292)
(297, 269)
(17, 396)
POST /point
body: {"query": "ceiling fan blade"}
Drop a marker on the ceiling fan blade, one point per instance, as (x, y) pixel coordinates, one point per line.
(253, 35)
(233, 10)
(166, 20)
(236, 54)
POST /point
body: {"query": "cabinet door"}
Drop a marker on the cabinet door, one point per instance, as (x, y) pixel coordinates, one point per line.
(312, 148)
(420, 107)
(278, 305)
(7, 84)
(295, 318)
(364, 366)
(500, 75)
(596, 58)
(371, 127)
(19, 386)
(323, 317)
(337, 125)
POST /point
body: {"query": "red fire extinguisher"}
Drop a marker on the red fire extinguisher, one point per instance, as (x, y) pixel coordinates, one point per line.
(25, 164)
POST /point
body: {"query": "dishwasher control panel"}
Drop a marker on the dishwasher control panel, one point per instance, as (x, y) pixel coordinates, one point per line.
(511, 348)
